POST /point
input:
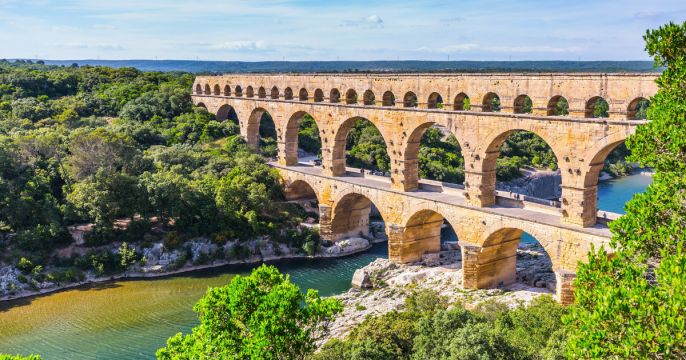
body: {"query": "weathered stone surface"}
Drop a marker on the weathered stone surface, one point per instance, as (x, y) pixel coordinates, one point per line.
(580, 144)
(361, 279)
(413, 222)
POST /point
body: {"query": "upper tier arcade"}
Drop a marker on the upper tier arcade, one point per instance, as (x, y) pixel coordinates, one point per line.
(581, 90)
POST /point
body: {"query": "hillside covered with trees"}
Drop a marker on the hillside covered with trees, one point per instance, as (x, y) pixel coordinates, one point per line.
(126, 152)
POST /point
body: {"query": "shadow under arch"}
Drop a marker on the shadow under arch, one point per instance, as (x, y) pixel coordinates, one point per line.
(497, 262)
(227, 112)
(300, 190)
(338, 148)
(291, 136)
(350, 216)
(422, 234)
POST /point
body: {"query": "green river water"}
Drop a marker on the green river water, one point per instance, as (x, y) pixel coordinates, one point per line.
(131, 319)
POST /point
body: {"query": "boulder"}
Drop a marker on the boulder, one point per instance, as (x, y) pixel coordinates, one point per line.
(361, 279)
(432, 259)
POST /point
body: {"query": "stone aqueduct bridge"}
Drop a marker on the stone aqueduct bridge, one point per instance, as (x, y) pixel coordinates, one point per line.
(488, 226)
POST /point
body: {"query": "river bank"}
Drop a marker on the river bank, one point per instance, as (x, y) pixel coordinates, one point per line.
(160, 263)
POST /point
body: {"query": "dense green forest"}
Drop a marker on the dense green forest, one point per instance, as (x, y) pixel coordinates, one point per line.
(99, 145)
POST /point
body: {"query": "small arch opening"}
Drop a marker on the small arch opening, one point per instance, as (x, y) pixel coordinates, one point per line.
(523, 105)
(227, 90)
(288, 94)
(435, 101)
(261, 92)
(491, 103)
(410, 100)
(351, 97)
(302, 95)
(597, 107)
(318, 95)
(638, 109)
(217, 90)
(369, 98)
(207, 89)
(249, 92)
(462, 102)
(275, 93)
(334, 96)
(239, 91)
(388, 99)
(558, 106)
(198, 89)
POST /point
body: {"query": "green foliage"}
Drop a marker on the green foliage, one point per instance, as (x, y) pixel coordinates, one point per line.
(440, 157)
(366, 147)
(19, 357)
(631, 305)
(427, 330)
(260, 316)
(127, 255)
(99, 145)
(308, 135)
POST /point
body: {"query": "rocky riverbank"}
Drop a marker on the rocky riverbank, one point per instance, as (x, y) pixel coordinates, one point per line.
(383, 286)
(157, 261)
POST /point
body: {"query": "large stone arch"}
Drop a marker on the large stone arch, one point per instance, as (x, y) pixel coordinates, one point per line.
(252, 127)
(288, 152)
(421, 234)
(227, 112)
(480, 180)
(350, 215)
(493, 262)
(580, 192)
(339, 142)
(300, 189)
(410, 166)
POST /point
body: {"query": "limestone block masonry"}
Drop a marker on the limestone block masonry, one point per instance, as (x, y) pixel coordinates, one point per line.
(403, 107)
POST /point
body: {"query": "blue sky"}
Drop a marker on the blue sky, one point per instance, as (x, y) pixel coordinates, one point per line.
(322, 30)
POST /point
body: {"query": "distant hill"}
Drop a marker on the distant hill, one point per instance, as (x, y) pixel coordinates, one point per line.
(369, 66)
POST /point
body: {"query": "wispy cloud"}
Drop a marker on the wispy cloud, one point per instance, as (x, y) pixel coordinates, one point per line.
(79, 45)
(241, 45)
(371, 21)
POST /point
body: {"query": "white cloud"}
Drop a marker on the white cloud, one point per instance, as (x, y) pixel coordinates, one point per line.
(241, 45)
(501, 49)
(534, 49)
(450, 48)
(78, 45)
(372, 21)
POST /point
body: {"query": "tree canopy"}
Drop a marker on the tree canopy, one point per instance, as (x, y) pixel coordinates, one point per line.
(633, 304)
(260, 316)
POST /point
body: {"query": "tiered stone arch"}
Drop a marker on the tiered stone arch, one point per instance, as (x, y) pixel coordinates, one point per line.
(288, 146)
(570, 139)
(300, 189)
(482, 175)
(337, 149)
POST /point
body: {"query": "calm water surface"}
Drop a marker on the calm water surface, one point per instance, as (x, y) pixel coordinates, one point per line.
(131, 319)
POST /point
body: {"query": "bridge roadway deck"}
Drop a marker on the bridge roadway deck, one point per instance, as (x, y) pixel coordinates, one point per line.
(544, 215)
